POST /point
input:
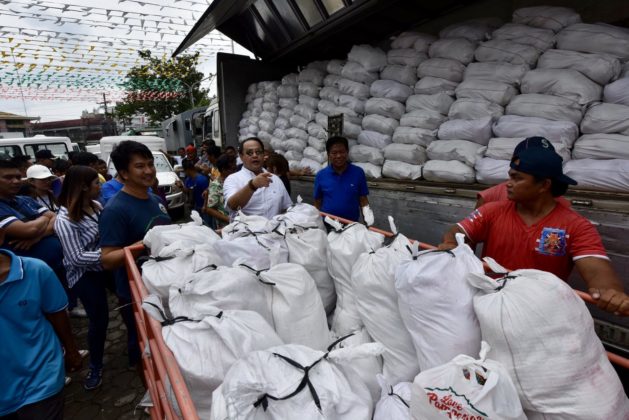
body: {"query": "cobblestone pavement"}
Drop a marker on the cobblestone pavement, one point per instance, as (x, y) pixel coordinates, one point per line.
(122, 387)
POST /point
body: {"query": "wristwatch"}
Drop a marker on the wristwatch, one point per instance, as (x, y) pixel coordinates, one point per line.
(253, 187)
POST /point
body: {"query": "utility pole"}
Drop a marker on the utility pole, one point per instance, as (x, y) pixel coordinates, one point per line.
(104, 104)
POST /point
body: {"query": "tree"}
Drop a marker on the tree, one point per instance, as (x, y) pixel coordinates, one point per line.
(162, 87)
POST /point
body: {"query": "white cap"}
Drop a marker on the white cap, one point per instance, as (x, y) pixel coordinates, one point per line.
(38, 172)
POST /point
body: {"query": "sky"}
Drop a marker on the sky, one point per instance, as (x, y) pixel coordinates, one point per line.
(59, 40)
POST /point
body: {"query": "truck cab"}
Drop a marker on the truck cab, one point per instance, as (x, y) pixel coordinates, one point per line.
(212, 124)
(59, 146)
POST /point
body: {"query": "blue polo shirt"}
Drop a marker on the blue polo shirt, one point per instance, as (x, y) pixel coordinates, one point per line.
(31, 353)
(198, 184)
(339, 193)
(109, 189)
(25, 209)
(124, 221)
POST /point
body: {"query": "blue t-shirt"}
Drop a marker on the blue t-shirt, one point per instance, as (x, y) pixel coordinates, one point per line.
(198, 184)
(31, 352)
(109, 189)
(26, 209)
(339, 193)
(124, 221)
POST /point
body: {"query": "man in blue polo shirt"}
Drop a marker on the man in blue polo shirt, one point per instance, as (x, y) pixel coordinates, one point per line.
(34, 325)
(341, 188)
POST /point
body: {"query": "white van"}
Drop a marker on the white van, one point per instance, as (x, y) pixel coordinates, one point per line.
(166, 176)
(59, 146)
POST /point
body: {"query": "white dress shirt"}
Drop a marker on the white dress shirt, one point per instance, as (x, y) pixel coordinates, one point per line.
(266, 201)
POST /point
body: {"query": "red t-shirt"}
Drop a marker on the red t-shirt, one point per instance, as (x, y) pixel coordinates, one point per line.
(499, 193)
(552, 244)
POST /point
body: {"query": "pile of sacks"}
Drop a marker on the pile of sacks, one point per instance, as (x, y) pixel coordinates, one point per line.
(262, 112)
(246, 317)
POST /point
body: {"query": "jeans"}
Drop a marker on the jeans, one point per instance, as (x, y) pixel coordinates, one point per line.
(92, 290)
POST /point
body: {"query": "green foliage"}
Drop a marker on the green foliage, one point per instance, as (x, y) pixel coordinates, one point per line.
(160, 87)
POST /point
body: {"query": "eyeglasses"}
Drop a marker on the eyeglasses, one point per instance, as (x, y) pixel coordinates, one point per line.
(257, 152)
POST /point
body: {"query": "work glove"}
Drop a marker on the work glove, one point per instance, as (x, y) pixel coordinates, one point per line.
(368, 215)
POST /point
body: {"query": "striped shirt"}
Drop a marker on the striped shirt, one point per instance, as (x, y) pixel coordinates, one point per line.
(80, 242)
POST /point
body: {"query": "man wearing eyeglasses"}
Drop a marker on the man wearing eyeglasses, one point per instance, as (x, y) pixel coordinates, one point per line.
(252, 189)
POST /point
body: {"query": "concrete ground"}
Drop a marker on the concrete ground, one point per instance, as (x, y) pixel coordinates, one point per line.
(122, 388)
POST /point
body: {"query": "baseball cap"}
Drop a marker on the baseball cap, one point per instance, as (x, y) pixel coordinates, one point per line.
(44, 154)
(39, 172)
(536, 156)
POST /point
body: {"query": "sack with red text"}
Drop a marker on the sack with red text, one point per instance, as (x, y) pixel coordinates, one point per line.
(466, 388)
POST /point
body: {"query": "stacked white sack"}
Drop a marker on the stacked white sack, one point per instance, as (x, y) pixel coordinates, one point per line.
(466, 388)
(270, 111)
(346, 244)
(373, 279)
(262, 111)
(516, 313)
(428, 287)
(475, 30)
(310, 84)
(602, 175)
(547, 17)
(287, 93)
(457, 155)
(601, 146)
(295, 382)
(206, 347)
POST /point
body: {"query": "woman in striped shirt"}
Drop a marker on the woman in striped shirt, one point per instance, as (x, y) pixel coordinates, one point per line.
(77, 229)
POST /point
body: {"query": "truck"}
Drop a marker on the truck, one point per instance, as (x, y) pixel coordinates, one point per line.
(59, 146)
(291, 34)
(185, 128)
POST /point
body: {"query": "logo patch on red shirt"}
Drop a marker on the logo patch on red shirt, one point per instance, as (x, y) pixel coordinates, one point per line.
(552, 242)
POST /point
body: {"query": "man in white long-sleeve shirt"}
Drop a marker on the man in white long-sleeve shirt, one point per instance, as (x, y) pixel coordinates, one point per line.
(253, 190)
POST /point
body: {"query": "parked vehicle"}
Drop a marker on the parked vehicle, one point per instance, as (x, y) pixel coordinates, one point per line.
(59, 146)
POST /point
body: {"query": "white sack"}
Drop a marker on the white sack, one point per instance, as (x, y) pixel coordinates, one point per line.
(401, 170)
(308, 248)
(405, 57)
(565, 132)
(466, 388)
(277, 144)
(549, 17)
(385, 107)
(348, 114)
(294, 155)
(443, 68)
(287, 102)
(409, 153)
(606, 118)
(330, 94)
(617, 92)
(459, 49)
(573, 381)
(475, 30)
(461, 150)
(496, 92)
(474, 108)
(346, 244)
(431, 85)
(206, 348)
(305, 111)
(290, 79)
(492, 171)
(601, 68)
(406, 75)
(281, 124)
(360, 153)
(295, 144)
(311, 75)
(507, 51)
(601, 146)
(313, 164)
(349, 87)
(566, 83)
(332, 80)
(316, 155)
(165, 241)
(310, 101)
(298, 121)
(355, 104)
(428, 287)
(540, 38)
(246, 225)
(545, 106)
(478, 131)
(373, 279)
(326, 107)
(266, 126)
(315, 130)
(429, 120)
(390, 89)
(496, 72)
(287, 91)
(412, 135)
(257, 251)
(448, 171)
(308, 89)
(270, 97)
(374, 139)
(503, 147)
(371, 58)
(286, 112)
(351, 130)
(316, 143)
(439, 102)
(318, 65)
(394, 402)
(321, 118)
(413, 40)
(335, 67)
(384, 125)
(595, 38)
(371, 170)
(600, 175)
(354, 71)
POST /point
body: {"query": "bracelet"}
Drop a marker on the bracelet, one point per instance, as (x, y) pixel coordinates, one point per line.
(250, 184)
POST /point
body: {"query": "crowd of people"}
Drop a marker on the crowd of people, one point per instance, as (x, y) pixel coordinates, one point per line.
(64, 225)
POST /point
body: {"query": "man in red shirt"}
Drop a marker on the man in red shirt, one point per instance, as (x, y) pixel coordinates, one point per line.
(531, 231)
